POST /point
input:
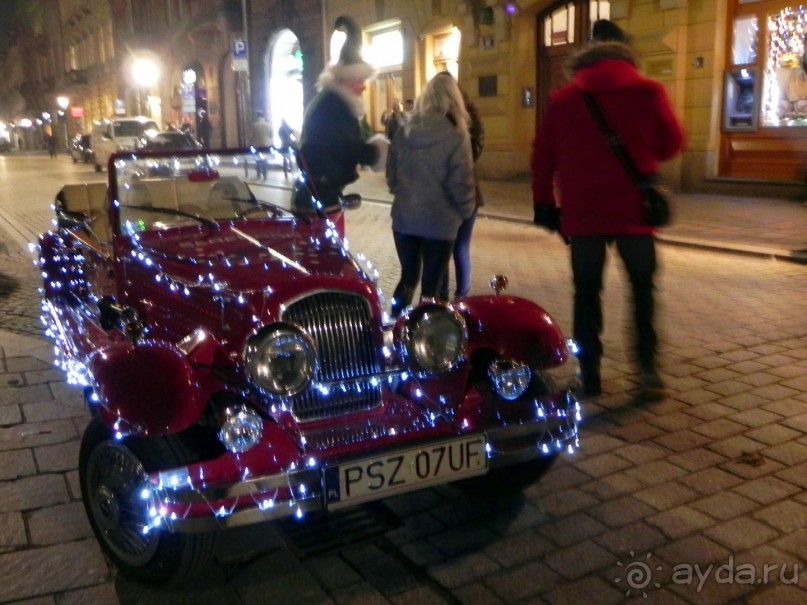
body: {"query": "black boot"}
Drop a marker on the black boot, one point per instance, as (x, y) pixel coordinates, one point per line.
(590, 381)
(649, 378)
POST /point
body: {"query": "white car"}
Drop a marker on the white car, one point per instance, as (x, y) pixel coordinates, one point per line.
(118, 134)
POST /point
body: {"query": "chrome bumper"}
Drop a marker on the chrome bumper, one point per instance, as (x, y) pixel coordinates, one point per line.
(179, 506)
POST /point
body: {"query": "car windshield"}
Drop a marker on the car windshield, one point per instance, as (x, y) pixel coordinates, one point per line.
(169, 140)
(163, 190)
(132, 128)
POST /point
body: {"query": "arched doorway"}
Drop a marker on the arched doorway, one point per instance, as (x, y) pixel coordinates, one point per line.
(285, 83)
(562, 29)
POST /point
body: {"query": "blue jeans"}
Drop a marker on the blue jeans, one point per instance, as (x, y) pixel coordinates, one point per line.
(638, 254)
(462, 260)
(421, 259)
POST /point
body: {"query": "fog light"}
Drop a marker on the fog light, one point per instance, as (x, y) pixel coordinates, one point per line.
(241, 429)
(510, 378)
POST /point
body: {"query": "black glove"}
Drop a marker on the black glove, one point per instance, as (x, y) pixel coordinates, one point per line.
(547, 217)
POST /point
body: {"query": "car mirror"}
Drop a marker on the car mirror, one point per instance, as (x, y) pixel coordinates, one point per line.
(351, 201)
(71, 220)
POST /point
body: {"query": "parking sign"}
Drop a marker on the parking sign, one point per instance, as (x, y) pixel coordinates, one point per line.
(240, 55)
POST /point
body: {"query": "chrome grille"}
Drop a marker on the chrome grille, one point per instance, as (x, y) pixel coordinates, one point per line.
(340, 325)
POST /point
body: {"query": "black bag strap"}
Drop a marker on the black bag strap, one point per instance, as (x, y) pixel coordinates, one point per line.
(615, 143)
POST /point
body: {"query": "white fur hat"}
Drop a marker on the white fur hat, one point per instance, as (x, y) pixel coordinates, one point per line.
(350, 65)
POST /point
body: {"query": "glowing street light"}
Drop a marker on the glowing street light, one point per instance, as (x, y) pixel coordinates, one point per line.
(145, 73)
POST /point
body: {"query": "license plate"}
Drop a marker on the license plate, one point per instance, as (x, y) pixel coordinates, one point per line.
(406, 470)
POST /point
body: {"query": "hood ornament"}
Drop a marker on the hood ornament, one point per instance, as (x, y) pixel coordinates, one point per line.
(498, 283)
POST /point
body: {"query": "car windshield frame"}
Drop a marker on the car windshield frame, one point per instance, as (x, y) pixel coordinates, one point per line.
(187, 185)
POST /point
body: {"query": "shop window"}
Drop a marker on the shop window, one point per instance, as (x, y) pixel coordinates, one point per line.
(744, 40)
(785, 85)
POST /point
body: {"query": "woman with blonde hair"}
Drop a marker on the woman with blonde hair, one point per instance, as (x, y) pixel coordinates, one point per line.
(430, 174)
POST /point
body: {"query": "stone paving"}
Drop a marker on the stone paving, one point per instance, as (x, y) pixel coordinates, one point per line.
(686, 499)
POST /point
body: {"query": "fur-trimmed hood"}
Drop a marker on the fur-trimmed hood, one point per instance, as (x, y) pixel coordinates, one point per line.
(605, 66)
(599, 51)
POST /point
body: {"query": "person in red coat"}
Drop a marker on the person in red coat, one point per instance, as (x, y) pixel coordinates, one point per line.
(582, 190)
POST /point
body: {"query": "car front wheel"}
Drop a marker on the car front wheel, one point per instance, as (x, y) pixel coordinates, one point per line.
(112, 475)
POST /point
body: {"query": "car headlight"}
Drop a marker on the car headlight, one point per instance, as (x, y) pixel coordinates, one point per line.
(510, 378)
(241, 429)
(280, 360)
(434, 338)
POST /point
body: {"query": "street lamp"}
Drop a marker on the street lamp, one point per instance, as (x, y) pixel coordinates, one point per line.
(63, 103)
(145, 72)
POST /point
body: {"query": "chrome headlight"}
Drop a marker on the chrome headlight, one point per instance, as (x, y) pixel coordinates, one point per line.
(241, 429)
(434, 338)
(280, 360)
(510, 378)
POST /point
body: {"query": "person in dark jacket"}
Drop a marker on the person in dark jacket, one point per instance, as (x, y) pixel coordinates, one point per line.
(431, 176)
(331, 144)
(582, 190)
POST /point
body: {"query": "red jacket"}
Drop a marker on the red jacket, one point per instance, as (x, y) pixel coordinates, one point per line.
(574, 168)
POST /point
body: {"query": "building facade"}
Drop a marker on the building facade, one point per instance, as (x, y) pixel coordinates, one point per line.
(733, 70)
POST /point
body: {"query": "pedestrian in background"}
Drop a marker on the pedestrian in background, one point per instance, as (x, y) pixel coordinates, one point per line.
(462, 245)
(261, 137)
(331, 142)
(597, 204)
(205, 128)
(430, 174)
(392, 119)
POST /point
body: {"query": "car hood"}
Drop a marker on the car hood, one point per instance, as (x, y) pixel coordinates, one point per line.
(249, 255)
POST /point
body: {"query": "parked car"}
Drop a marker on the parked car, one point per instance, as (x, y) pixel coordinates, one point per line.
(168, 140)
(81, 149)
(116, 135)
(240, 365)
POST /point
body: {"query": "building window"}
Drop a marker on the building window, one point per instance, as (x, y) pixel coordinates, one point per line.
(386, 49)
(559, 26)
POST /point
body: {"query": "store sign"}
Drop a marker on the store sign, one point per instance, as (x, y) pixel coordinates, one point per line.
(76, 112)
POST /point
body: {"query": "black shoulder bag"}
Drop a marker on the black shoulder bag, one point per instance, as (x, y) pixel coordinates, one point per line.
(656, 204)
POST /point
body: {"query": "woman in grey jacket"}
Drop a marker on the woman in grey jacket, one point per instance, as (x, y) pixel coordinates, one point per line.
(430, 174)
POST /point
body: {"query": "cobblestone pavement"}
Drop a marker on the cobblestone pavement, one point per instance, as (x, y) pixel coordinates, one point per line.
(700, 497)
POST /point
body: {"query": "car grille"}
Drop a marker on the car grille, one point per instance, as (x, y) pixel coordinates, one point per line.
(340, 325)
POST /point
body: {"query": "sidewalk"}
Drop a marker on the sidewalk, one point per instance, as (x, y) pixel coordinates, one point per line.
(769, 227)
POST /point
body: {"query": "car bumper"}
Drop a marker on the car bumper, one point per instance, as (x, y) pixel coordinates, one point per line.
(184, 504)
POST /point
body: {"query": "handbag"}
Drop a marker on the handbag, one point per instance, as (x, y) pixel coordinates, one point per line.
(657, 207)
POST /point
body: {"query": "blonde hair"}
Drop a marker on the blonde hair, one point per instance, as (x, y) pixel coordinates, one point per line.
(442, 97)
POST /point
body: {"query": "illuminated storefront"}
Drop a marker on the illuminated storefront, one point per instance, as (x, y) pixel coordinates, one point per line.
(765, 92)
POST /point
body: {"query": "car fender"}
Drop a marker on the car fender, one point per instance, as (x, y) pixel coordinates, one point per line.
(146, 388)
(515, 328)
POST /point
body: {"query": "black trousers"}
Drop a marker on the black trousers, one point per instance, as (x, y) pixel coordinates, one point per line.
(638, 254)
(416, 253)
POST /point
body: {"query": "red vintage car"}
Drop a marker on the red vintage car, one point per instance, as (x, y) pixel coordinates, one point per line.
(241, 365)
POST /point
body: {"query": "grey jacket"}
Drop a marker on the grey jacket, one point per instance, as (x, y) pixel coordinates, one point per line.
(430, 173)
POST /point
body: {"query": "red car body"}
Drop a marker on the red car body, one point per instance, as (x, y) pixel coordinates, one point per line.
(241, 366)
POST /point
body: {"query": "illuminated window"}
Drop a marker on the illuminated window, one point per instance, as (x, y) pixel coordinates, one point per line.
(386, 49)
(559, 26)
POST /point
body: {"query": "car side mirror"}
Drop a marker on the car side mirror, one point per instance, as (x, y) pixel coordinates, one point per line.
(67, 219)
(351, 201)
